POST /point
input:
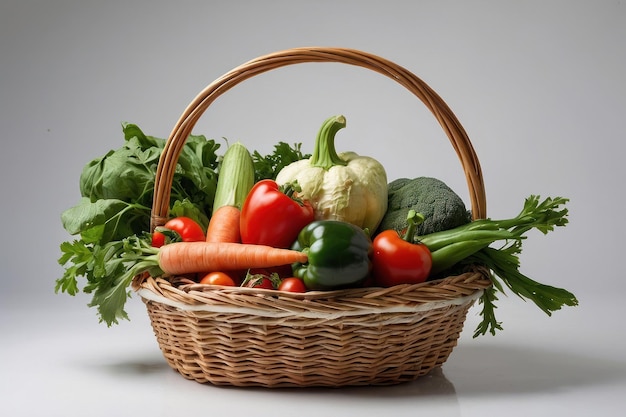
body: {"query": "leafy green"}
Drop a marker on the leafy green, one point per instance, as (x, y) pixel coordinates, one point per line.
(117, 189)
(268, 166)
(105, 220)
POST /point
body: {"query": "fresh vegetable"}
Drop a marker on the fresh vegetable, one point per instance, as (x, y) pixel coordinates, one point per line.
(117, 189)
(186, 257)
(179, 229)
(441, 207)
(160, 238)
(224, 225)
(292, 284)
(268, 166)
(343, 186)
(273, 215)
(471, 244)
(218, 278)
(261, 279)
(399, 259)
(236, 177)
(338, 255)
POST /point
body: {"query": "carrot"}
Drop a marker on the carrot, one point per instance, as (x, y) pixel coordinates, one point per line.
(224, 225)
(188, 257)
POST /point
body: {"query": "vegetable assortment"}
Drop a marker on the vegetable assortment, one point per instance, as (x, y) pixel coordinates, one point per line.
(287, 221)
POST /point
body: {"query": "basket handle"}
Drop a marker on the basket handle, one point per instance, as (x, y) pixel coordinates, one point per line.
(183, 128)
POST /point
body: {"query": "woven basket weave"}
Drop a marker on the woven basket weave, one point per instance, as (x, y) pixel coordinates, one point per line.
(254, 337)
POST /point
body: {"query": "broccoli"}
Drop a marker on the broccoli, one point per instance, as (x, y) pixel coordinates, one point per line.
(442, 208)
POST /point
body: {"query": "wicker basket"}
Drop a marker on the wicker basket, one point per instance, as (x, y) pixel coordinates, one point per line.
(253, 337)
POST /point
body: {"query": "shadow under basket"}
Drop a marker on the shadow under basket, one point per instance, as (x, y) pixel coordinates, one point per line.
(365, 336)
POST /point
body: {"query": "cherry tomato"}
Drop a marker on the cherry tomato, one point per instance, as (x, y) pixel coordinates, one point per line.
(158, 239)
(264, 280)
(292, 284)
(218, 278)
(260, 282)
(184, 229)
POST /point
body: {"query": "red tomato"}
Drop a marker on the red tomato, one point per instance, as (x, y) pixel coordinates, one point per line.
(217, 278)
(158, 239)
(188, 229)
(396, 261)
(261, 279)
(183, 228)
(292, 284)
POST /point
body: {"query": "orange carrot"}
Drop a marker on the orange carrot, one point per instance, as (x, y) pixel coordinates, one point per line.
(188, 257)
(224, 225)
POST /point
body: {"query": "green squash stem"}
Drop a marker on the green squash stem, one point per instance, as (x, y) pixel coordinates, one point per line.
(324, 155)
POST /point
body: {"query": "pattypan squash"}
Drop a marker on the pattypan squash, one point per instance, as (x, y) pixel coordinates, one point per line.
(340, 186)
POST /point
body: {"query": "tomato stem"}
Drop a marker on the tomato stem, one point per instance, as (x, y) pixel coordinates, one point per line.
(413, 219)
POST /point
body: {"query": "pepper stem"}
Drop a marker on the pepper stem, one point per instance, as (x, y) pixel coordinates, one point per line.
(324, 155)
(291, 190)
(413, 219)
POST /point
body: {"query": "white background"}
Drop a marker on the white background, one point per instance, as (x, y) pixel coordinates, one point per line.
(538, 85)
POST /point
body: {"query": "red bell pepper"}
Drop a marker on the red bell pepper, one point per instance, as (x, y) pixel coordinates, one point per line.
(273, 215)
(400, 260)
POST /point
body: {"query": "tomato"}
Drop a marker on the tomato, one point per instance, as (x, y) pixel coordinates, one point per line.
(158, 239)
(261, 279)
(292, 284)
(218, 278)
(396, 261)
(177, 229)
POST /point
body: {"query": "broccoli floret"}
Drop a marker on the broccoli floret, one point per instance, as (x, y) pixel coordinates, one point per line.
(442, 208)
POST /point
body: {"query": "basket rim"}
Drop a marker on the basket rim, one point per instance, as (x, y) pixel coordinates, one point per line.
(149, 295)
(186, 295)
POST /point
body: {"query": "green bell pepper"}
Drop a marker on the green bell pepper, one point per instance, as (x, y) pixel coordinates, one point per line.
(338, 255)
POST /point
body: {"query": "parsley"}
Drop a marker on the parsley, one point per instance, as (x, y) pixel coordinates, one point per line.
(268, 166)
